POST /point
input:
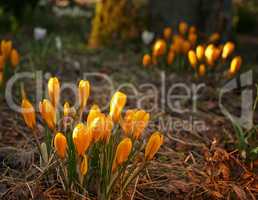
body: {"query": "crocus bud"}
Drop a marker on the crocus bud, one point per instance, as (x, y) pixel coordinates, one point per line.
(107, 129)
(140, 122)
(201, 70)
(159, 47)
(135, 121)
(228, 49)
(54, 91)
(96, 128)
(122, 152)
(1, 78)
(146, 60)
(192, 58)
(28, 113)
(94, 113)
(216, 54)
(127, 124)
(84, 165)
(192, 37)
(6, 47)
(153, 145)
(183, 26)
(60, 144)
(171, 57)
(66, 109)
(117, 104)
(192, 30)
(235, 65)
(167, 33)
(186, 46)
(2, 63)
(81, 138)
(48, 113)
(84, 93)
(209, 54)
(178, 41)
(200, 52)
(214, 37)
(15, 58)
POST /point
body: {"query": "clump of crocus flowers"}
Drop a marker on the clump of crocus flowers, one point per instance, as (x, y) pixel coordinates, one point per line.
(210, 58)
(180, 49)
(172, 47)
(96, 148)
(9, 59)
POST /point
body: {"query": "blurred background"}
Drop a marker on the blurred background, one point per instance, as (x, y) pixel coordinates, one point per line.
(231, 18)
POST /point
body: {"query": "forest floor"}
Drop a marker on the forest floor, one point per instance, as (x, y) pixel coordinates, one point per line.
(196, 162)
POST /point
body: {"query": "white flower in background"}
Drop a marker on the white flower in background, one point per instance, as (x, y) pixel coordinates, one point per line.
(58, 43)
(147, 37)
(39, 33)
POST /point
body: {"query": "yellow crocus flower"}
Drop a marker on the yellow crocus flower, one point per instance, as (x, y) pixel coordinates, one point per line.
(48, 113)
(6, 47)
(117, 104)
(214, 37)
(200, 52)
(202, 70)
(28, 113)
(96, 128)
(209, 54)
(192, 30)
(182, 28)
(146, 60)
(60, 144)
(122, 152)
(2, 63)
(167, 32)
(192, 58)
(15, 58)
(159, 47)
(127, 124)
(94, 113)
(1, 78)
(107, 129)
(81, 138)
(135, 121)
(83, 92)
(54, 90)
(228, 49)
(140, 120)
(171, 57)
(235, 65)
(153, 145)
(186, 46)
(66, 109)
(192, 37)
